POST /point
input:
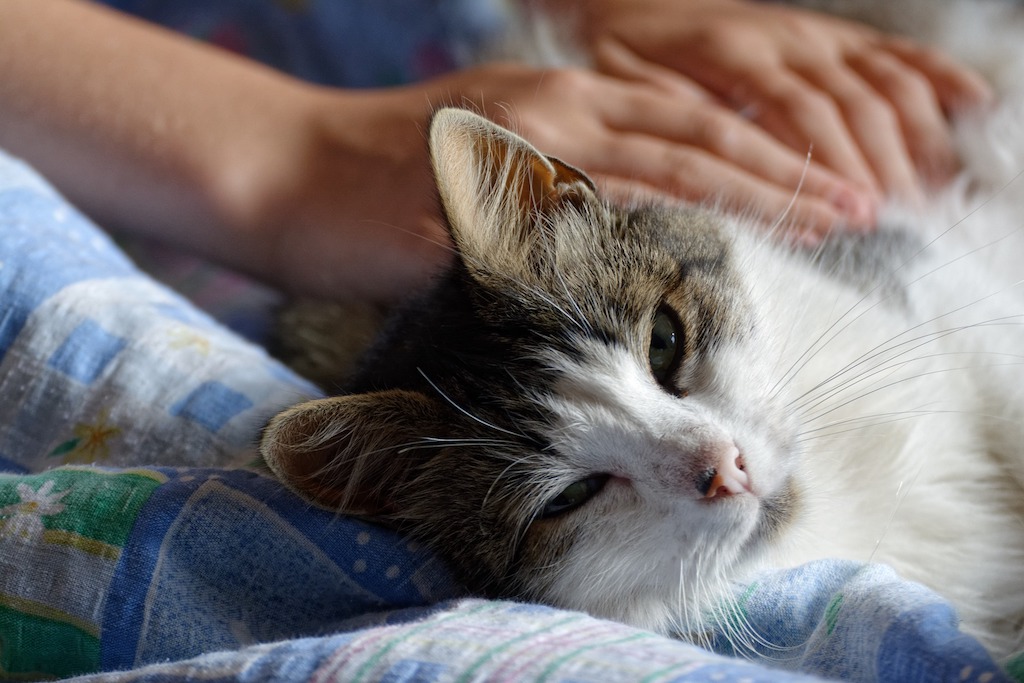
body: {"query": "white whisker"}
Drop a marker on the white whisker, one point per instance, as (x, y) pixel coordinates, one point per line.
(463, 410)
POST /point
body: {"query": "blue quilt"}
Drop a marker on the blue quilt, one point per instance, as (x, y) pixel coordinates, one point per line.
(140, 540)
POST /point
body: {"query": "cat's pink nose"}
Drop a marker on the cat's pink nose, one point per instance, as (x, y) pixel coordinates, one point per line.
(728, 478)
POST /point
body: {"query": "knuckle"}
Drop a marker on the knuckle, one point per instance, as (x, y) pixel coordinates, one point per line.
(805, 26)
(682, 173)
(567, 81)
(909, 85)
(725, 39)
(930, 55)
(718, 132)
(812, 103)
(877, 111)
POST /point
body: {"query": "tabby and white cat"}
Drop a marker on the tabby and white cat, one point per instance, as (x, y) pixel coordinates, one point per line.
(620, 410)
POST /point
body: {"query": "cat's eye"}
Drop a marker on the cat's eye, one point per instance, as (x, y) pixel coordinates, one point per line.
(574, 495)
(666, 344)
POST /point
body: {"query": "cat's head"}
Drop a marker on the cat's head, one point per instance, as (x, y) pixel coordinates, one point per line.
(579, 412)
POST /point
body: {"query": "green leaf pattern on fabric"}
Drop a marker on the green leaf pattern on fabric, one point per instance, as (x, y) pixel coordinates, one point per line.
(69, 525)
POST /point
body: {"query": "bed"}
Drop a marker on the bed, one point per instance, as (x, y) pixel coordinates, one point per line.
(140, 538)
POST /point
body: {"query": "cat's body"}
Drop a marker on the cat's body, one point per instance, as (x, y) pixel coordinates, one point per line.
(533, 420)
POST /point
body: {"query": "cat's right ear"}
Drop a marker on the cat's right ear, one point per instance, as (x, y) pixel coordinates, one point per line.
(351, 453)
(499, 193)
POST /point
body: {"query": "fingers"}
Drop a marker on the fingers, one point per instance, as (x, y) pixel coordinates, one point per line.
(874, 126)
(807, 118)
(615, 59)
(956, 86)
(923, 125)
(874, 108)
(727, 136)
(690, 173)
(870, 116)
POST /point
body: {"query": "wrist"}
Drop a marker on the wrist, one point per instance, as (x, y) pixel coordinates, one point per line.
(252, 177)
(339, 201)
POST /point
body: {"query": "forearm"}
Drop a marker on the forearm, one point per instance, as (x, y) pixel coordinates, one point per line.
(144, 129)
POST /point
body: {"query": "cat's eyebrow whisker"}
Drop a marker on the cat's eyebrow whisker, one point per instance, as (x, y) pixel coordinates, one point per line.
(447, 246)
(580, 323)
(498, 478)
(462, 410)
(580, 319)
(528, 511)
(796, 192)
(430, 442)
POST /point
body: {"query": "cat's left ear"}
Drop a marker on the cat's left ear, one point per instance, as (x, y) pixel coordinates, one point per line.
(499, 193)
(354, 453)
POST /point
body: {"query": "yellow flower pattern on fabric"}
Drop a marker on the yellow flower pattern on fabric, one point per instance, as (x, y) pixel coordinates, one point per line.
(91, 442)
(187, 338)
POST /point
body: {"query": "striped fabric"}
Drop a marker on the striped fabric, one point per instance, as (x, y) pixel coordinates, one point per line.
(166, 564)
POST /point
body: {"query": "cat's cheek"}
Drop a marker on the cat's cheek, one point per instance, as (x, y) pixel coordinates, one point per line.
(769, 464)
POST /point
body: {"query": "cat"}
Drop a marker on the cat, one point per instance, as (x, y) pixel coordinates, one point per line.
(622, 409)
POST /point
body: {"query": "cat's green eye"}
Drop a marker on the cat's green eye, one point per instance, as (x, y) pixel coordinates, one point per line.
(666, 345)
(574, 495)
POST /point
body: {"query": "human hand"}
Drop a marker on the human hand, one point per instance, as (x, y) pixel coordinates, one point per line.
(871, 107)
(327, 191)
(635, 138)
(349, 206)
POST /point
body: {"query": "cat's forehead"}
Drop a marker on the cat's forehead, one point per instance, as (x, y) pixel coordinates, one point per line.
(614, 269)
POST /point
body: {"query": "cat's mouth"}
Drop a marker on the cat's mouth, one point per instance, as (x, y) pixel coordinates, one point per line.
(776, 511)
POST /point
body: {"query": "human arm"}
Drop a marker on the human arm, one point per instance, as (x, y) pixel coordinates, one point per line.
(154, 133)
(327, 191)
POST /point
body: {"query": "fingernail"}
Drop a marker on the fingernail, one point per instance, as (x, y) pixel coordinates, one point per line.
(856, 208)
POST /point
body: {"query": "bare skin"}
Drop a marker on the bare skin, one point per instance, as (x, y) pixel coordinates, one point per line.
(874, 107)
(327, 191)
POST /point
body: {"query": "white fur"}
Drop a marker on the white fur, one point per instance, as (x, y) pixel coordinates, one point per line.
(900, 429)
(913, 462)
(901, 426)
